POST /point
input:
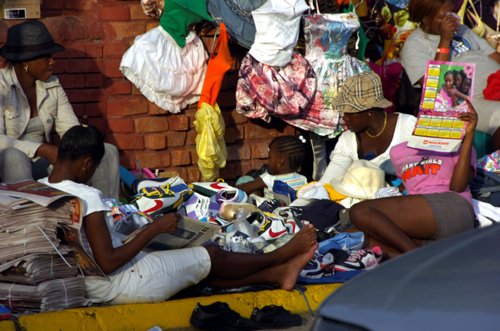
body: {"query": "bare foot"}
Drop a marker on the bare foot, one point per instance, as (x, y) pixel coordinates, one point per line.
(288, 272)
(299, 244)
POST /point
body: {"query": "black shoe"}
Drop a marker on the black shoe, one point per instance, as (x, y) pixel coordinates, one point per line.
(274, 317)
(218, 316)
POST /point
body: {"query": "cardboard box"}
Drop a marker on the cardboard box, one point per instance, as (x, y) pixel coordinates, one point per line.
(19, 9)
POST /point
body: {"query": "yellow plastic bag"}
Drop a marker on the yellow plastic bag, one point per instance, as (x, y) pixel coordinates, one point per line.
(210, 144)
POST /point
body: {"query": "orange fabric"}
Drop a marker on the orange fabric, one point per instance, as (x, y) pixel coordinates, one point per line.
(216, 68)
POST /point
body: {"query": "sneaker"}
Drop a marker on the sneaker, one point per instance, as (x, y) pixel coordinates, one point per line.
(363, 259)
(200, 207)
(346, 241)
(274, 227)
(219, 316)
(274, 317)
(319, 266)
(156, 201)
(228, 209)
(229, 195)
(157, 182)
(211, 188)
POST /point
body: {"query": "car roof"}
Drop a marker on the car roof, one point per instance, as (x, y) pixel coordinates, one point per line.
(452, 284)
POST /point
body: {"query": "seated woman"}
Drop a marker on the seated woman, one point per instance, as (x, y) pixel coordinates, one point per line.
(372, 131)
(33, 102)
(136, 276)
(439, 203)
(440, 37)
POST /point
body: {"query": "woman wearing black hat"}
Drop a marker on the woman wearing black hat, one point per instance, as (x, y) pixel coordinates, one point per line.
(33, 102)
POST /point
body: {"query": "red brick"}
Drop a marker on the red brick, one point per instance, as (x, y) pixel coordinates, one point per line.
(155, 141)
(73, 51)
(232, 118)
(99, 123)
(60, 67)
(82, 65)
(118, 86)
(238, 152)
(127, 159)
(194, 155)
(67, 28)
(126, 105)
(95, 109)
(180, 157)
(115, 13)
(79, 109)
(115, 49)
(111, 68)
(94, 50)
(231, 171)
(176, 139)
(152, 160)
(256, 131)
(257, 164)
(182, 172)
(178, 122)
(53, 4)
(72, 81)
(246, 166)
(151, 124)
(128, 141)
(191, 137)
(234, 133)
(151, 25)
(121, 125)
(136, 12)
(94, 80)
(83, 95)
(129, 29)
(153, 108)
(193, 174)
(260, 150)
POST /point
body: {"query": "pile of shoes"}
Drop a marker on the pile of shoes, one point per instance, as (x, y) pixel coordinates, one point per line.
(218, 316)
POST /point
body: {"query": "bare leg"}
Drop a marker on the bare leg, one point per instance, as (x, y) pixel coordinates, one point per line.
(229, 265)
(394, 222)
(285, 274)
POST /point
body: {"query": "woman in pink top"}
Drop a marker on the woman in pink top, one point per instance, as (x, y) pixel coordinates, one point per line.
(439, 203)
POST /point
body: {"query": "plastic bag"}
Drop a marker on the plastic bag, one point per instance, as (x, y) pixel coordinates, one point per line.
(210, 144)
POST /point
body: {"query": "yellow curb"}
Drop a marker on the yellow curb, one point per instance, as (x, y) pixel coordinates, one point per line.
(167, 315)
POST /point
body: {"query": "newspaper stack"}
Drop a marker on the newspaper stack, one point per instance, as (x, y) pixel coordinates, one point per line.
(38, 264)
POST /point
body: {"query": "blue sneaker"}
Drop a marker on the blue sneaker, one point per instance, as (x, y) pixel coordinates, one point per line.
(346, 241)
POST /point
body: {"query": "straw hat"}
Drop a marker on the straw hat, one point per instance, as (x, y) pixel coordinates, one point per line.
(361, 180)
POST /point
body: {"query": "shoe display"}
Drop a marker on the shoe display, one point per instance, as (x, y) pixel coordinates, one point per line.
(346, 241)
(363, 259)
(229, 195)
(156, 201)
(211, 188)
(228, 209)
(218, 316)
(319, 266)
(274, 317)
(274, 227)
(157, 182)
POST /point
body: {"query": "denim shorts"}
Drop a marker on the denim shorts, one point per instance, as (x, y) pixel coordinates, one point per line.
(237, 16)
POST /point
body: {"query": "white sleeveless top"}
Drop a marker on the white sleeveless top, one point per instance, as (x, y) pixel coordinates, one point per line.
(277, 25)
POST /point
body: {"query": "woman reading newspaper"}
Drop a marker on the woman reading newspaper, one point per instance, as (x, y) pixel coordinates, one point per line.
(135, 276)
(439, 203)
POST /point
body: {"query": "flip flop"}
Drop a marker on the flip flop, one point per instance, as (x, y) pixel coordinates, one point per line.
(274, 317)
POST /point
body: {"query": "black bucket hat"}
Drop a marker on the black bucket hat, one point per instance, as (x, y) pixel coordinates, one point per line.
(27, 41)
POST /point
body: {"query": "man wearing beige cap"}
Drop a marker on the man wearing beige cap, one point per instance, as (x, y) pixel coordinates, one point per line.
(371, 131)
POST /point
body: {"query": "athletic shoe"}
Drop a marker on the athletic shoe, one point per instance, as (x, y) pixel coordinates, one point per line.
(363, 259)
(157, 182)
(228, 209)
(319, 266)
(229, 195)
(346, 241)
(274, 317)
(156, 201)
(210, 188)
(274, 227)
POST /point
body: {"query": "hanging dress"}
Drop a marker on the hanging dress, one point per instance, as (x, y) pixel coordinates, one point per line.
(326, 37)
(168, 63)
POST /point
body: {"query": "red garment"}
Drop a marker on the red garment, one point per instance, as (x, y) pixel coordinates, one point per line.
(216, 68)
(492, 89)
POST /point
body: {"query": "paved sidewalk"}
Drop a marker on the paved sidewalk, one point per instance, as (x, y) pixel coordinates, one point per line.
(173, 314)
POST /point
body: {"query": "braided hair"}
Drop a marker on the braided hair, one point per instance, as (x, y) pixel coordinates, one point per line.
(293, 148)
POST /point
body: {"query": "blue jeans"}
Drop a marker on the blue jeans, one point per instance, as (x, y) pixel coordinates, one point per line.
(16, 166)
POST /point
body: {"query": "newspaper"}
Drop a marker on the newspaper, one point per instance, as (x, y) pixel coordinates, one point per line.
(446, 86)
(189, 233)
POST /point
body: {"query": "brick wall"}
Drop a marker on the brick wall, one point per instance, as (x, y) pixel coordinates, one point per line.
(96, 33)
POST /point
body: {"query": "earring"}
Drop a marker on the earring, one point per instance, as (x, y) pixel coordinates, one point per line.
(26, 67)
(369, 114)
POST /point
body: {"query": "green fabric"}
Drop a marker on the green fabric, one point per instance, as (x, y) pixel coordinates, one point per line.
(362, 38)
(178, 15)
